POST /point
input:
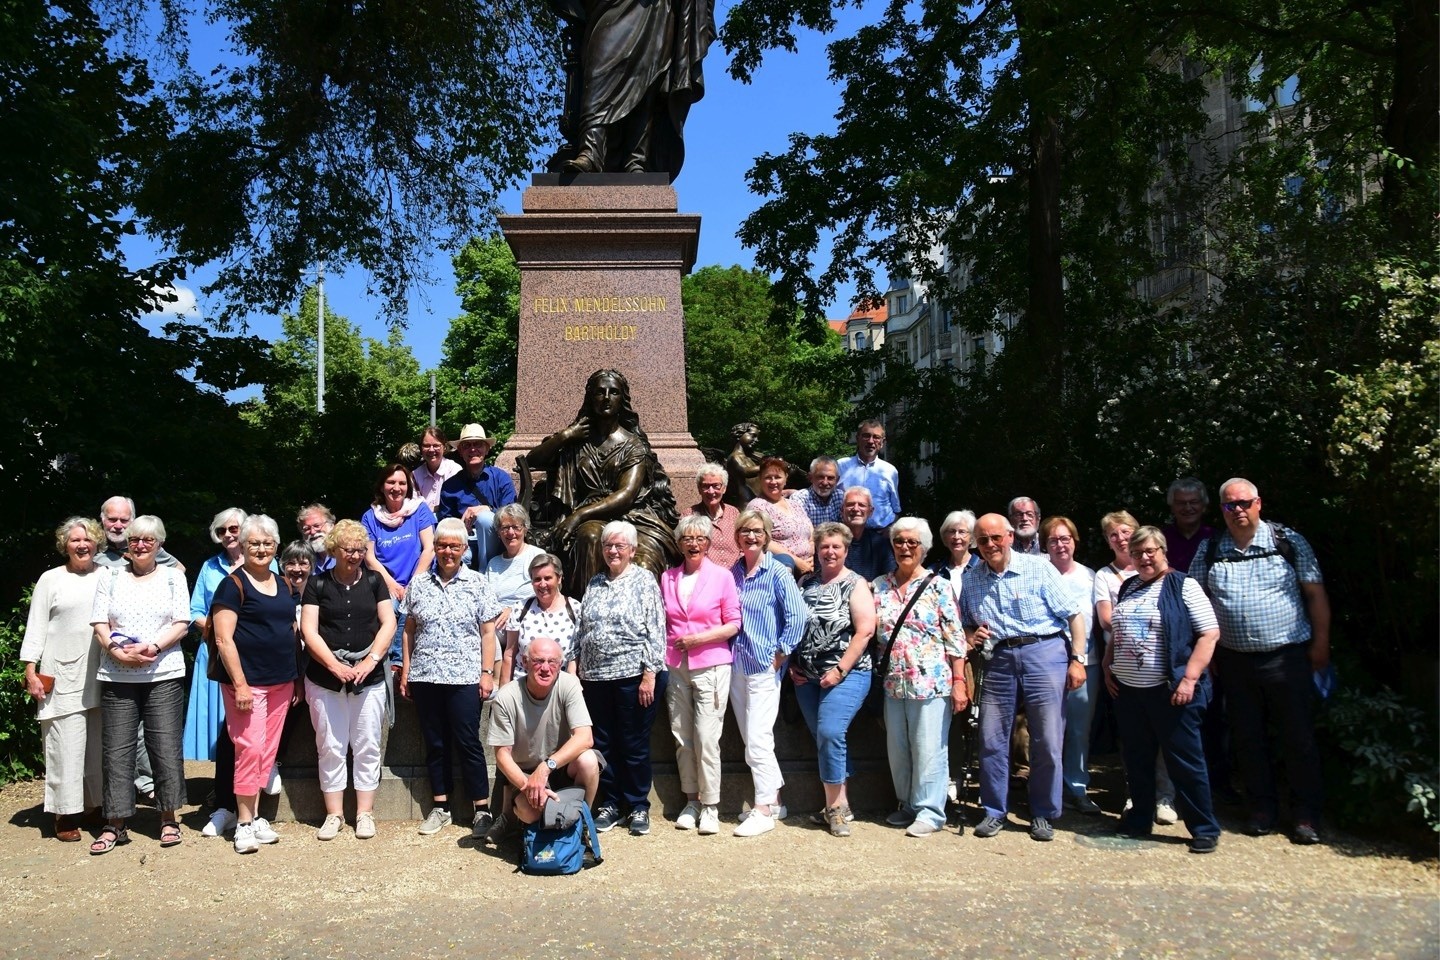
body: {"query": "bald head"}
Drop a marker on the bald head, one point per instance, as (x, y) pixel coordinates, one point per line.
(994, 535)
(543, 660)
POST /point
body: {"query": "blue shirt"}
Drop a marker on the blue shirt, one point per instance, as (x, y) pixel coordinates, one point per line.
(772, 615)
(870, 554)
(827, 511)
(883, 482)
(494, 489)
(1030, 599)
(398, 549)
(1258, 602)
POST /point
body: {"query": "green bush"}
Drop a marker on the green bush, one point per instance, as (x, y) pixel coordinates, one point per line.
(1388, 748)
(21, 755)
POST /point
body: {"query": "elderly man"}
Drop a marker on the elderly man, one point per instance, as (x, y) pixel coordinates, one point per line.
(1188, 500)
(870, 553)
(1032, 633)
(540, 729)
(314, 522)
(1024, 515)
(820, 501)
(1274, 635)
(867, 470)
(475, 493)
(115, 516)
(711, 481)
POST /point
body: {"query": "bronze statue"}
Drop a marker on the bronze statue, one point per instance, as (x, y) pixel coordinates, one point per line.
(742, 466)
(632, 70)
(601, 468)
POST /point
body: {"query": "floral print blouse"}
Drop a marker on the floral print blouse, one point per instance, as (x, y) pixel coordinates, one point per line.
(930, 637)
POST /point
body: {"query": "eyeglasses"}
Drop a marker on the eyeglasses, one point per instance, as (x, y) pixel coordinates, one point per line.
(982, 539)
(693, 539)
(1025, 513)
(511, 528)
(232, 529)
(352, 551)
(544, 662)
(1060, 541)
(449, 547)
(752, 532)
(617, 547)
(1234, 506)
(906, 544)
(1145, 551)
(260, 544)
(146, 541)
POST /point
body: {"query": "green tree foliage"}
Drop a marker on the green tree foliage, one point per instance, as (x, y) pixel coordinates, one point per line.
(743, 365)
(476, 379)
(376, 399)
(351, 133)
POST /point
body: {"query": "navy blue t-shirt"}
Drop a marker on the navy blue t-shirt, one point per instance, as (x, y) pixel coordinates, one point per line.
(264, 629)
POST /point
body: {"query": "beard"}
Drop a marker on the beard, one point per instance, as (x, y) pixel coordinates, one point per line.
(317, 543)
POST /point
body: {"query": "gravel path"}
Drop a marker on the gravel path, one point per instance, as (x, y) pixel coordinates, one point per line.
(795, 892)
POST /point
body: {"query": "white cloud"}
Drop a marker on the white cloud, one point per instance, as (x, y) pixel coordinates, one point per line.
(183, 303)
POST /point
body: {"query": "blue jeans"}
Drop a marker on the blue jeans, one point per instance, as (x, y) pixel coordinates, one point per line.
(484, 541)
(621, 728)
(917, 740)
(1034, 675)
(449, 715)
(1079, 715)
(1147, 721)
(396, 655)
(828, 714)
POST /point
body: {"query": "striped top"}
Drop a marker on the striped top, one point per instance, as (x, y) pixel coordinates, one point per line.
(772, 615)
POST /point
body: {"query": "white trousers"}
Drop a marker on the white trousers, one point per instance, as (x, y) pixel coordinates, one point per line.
(73, 778)
(755, 699)
(353, 721)
(697, 716)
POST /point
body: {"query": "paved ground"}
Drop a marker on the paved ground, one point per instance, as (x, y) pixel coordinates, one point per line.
(796, 892)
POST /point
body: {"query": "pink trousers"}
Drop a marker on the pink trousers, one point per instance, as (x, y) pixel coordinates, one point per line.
(256, 732)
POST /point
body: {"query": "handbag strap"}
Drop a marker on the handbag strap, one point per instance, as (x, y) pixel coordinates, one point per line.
(900, 622)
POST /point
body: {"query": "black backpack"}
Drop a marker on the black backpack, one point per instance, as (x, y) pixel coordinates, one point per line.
(1284, 547)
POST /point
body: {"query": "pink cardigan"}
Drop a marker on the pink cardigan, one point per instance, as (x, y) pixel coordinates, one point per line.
(713, 602)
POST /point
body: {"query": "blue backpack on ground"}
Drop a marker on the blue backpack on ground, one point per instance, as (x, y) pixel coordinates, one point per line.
(555, 845)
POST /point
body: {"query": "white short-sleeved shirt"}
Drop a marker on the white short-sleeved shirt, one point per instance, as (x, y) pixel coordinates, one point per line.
(142, 608)
(1142, 655)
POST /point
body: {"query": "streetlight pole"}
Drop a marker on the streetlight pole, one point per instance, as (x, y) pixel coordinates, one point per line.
(320, 345)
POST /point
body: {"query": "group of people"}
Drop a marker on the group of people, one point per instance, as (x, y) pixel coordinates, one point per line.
(437, 596)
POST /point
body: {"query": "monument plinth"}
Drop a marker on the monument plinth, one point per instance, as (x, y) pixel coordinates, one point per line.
(600, 258)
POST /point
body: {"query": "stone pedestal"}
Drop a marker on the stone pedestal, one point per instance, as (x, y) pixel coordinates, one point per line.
(600, 258)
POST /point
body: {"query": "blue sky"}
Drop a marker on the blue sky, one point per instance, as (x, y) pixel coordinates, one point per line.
(725, 132)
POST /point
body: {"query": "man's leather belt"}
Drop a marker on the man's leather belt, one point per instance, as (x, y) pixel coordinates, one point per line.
(1025, 641)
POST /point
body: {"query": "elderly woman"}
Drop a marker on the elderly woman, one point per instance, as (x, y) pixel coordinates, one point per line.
(710, 483)
(791, 533)
(1164, 631)
(60, 662)
(449, 650)
(347, 622)
(1118, 526)
(702, 614)
(297, 563)
(922, 663)
(435, 468)
(205, 735)
(955, 536)
(773, 620)
(549, 613)
(140, 615)
(401, 528)
(621, 646)
(831, 666)
(508, 572)
(254, 627)
(1059, 536)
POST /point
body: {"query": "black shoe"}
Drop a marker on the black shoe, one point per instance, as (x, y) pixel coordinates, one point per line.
(989, 827)
(1203, 844)
(1123, 829)
(606, 818)
(1259, 827)
(1041, 830)
(639, 823)
(1227, 796)
(1304, 834)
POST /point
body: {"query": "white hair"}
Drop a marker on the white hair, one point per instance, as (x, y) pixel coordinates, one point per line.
(624, 528)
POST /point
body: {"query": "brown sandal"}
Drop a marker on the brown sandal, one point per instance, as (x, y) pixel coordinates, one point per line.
(170, 834)
(110, 837)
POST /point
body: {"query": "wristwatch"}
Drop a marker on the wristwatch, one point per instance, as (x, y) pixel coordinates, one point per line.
(374, 658)
(487, 673)
(550, 762)
(1076, 659)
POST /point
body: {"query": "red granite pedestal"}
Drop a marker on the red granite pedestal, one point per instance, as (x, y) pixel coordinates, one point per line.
(600, 258)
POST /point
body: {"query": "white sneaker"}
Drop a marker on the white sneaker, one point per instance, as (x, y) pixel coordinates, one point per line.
(709, 821)
(272, 786)
(364, 826)
(245, 841)
(221, 822)
(330, 829)
(688, 816)
(755, 824)
(437, 821)
(263, 831)
(779, 811)
(1165, 812)
(920, 829)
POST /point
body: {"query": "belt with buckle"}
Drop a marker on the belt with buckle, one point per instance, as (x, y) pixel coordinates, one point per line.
(1024, 641)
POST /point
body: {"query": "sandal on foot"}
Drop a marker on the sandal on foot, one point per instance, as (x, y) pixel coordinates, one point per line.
(110, 838)
(169, 834)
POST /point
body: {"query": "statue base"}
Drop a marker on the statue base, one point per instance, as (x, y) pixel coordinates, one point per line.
(600, 257)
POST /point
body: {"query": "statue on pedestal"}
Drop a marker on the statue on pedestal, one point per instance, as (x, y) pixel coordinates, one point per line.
(632, 70)
(601, 468)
